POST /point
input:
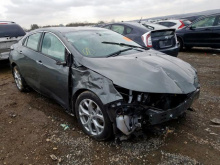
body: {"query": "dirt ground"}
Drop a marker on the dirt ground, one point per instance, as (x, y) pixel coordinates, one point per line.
(31, 131)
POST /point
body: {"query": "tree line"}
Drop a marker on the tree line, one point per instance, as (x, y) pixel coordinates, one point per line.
(35, 26)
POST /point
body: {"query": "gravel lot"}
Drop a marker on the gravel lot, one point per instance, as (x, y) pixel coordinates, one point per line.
(31, 131)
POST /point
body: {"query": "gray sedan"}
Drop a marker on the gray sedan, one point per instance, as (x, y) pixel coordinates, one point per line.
(110, 83)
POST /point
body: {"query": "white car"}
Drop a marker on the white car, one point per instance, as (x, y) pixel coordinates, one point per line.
(177, 24)
(10, 33)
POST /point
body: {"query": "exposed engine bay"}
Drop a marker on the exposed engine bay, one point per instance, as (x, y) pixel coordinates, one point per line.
(138, 109)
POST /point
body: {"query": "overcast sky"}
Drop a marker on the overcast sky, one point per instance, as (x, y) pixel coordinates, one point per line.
(51, 12)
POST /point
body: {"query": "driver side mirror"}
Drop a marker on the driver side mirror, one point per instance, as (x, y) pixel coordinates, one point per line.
(65, 62)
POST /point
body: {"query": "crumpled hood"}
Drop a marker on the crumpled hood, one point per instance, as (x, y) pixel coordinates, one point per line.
(148, 71)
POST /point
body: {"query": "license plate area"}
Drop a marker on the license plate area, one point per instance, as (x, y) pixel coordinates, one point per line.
(165, 43)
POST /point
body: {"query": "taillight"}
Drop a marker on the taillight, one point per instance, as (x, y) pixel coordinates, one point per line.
(3, 23)
(148, 41)
(182, 25)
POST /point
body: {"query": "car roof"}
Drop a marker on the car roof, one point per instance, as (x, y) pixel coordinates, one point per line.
(69, 29)
(156, 26)
(6, 22)
(170, 20)
(10, 29)
(134, 25)
(131, 24)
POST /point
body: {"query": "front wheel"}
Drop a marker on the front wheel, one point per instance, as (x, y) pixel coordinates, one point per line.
(92, 117)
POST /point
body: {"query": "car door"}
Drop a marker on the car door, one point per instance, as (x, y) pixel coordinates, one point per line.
(215, 39)
(200, 32)
(29, 57)
(54, 75)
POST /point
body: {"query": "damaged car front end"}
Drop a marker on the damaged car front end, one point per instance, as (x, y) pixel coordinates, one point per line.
(143, 109)
(154, 89)
(110, 83)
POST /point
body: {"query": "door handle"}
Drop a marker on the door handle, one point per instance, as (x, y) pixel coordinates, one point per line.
(39, 62)
(20, 51)
(207, 29)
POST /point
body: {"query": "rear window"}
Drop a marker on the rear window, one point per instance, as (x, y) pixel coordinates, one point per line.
(11, 30)
(162, 33)
(167, 24)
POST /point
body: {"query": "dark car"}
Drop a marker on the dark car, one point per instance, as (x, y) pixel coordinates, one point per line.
(163, 40)
(10, 33)
(204, 32)
(109, 82)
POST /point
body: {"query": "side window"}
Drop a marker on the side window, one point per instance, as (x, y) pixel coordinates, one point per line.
(33, 40)
(128, 30)
(53, 47)
(118, 28)
(107, 27)
(209, 21)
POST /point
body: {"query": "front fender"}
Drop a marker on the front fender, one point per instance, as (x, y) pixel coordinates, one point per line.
(84, 78)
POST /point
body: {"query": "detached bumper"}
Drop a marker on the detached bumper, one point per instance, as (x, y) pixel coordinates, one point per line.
(157, 116)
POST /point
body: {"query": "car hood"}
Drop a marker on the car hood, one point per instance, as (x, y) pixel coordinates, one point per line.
(148, 71)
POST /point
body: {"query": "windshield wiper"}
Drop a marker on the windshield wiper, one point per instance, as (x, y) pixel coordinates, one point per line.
(123, 44)
(118, 52)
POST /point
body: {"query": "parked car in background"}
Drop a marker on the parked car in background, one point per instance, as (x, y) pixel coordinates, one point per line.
(153, 26)
(177, 24)
(10, 33)
(109, 82)
(204, 32)
(99, 25)
(163, 40)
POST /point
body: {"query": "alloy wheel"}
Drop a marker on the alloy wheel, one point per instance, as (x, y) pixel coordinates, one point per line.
(17, 78)
(91, 117)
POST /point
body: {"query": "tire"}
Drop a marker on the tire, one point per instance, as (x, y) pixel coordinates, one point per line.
(188, 47)
(19, 80)
(92, 117)
(181, 43)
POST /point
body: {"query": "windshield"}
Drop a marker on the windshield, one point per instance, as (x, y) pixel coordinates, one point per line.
(100, 43)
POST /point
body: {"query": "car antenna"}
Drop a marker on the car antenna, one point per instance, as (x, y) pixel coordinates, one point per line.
(140, 20)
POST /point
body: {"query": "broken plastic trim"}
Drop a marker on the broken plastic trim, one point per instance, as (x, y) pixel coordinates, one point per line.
(131, 116)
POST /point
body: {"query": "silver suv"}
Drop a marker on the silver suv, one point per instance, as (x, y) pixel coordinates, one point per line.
(10, 33)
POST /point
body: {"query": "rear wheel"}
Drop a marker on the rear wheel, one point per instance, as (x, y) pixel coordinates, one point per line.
(19, 80)
(92, 117)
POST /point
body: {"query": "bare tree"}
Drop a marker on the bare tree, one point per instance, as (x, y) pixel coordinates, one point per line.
(34, 26)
